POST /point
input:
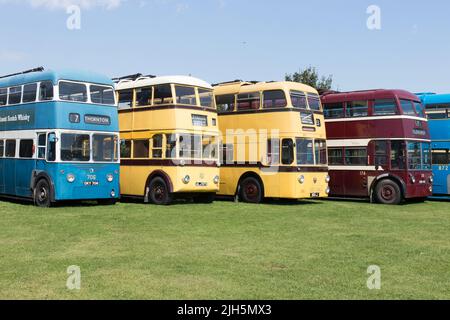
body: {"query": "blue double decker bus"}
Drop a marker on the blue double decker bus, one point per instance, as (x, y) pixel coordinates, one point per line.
(58, 137)
(437, 107)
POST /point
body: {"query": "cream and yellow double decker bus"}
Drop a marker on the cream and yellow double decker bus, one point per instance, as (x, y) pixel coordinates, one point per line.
(273, 141)
(169, 138)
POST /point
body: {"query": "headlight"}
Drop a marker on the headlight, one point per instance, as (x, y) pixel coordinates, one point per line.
(413, 179)
(327, 179)
(327, 190)
(113, 193)
(70, 178)
(182, 162)
(186, 179)
(109, 177)
(431, 179)
(301, 179)
(431, 189)
(216, 179)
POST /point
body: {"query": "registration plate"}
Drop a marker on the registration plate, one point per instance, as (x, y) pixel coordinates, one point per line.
(201, 184)
(315, 195)
(91, 183)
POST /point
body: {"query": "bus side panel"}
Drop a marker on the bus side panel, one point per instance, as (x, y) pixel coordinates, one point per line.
(128, 184)
(229, 178)
(337, 183)
(24, 170)
(2, 173)
(10, 176)
(441, 179)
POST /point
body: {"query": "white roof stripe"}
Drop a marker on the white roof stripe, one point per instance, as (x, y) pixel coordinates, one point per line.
(144, 82)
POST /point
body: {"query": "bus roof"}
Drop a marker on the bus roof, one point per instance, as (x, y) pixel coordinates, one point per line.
(434, 98)
(151, 81)
(244, 86)
(55, 76)
(368, 95)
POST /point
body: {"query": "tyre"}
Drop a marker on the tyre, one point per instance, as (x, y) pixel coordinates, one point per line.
(204, 198)
(388, 192)
(159, 192)
(107, 202)
(42, 194)
(250, 190)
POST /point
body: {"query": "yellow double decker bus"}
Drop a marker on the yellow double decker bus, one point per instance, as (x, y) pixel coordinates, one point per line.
(169, 138)
(273, 141)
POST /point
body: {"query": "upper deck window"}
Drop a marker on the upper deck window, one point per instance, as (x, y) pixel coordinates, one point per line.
(407, 107)
(46, 91)
(249, 101)
(162, 94)
(143, 97)
(333, 110)
(3, 97)
(225, 103)
(298, 99)
(186, 95)
(274, 99)
(102, 94)
(15, 95)
(125, 99)
(438, 106)
(314, 102)
(70, 91)
(206, 98)
(437, 115)
(357, 109)
(384, 107)
(29, 92)
(419, 109)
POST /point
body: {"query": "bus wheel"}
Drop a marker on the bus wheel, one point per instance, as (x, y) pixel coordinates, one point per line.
(388, 192)
(42, 194)
(159, 192)
(204, 198)
(251, 190)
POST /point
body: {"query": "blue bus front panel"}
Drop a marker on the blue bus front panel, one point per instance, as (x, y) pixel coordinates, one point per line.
(90, 181)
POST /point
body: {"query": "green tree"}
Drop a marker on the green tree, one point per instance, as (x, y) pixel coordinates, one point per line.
(311, 77)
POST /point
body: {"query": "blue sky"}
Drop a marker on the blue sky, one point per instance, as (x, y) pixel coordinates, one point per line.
(220, 40)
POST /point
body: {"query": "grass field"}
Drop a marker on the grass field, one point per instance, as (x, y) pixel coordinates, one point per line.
(305, 250)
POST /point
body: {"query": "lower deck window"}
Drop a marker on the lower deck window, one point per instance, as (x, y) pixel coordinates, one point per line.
(10, 149)
(2, 148)
(125, 149)
(287, 151)
(273, 151)
(104, 147)
(335, 156)
(141, 148)
(26, 148)
(356, 157)
(305, 151)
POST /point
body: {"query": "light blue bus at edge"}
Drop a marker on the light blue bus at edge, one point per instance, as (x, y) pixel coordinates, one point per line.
(58, 137)
(438, 114)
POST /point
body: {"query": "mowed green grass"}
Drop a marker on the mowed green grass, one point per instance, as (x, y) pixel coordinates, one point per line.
(226, 250)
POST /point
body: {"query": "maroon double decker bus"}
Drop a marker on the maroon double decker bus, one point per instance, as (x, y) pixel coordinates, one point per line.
(378, 146)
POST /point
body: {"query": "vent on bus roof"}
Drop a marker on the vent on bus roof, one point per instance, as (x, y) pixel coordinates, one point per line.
(39, 69)
(133, 77)
(242, 82)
